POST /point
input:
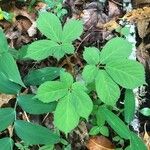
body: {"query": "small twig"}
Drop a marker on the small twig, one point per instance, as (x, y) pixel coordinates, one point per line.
(26, 116)
(45, 117)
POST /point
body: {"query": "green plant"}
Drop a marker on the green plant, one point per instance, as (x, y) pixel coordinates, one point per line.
(22, 146)
(11, 84)
(5, 15)
(60, 39)
(109, 70)
(73, 102)
(56, 6)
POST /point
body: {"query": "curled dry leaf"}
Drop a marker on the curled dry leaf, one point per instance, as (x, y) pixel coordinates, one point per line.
(100, 143)
(4, 99)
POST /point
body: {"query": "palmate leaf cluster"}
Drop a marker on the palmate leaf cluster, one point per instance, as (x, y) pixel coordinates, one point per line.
(60, 39)
(73, 102)
(108, 69)
(111, 68)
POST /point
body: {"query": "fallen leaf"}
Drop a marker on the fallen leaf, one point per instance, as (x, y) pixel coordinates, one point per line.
(100, 143)
(4, 99)
(113, 9)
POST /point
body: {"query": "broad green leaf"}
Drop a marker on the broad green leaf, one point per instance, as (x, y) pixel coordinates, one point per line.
(67, 48)
(66, 78)
(136, 143)
(104, 131)
(3, 43)
(91, 55)
(7, 86)
(72, 30)
(58, 53)
(51, 91)
(116, 123)
(41, 49)
(33, 106)
(50, 25)
(127, 73)
(7, 116)
(125, 31)
(89, 73)
(145, 111)
(65, 116)
(79, 86)
(13, 52)
(129, 106)
(94, 130)
(105, 88)
(6, 143)
(9, 68)
(22, 52)
(114, 49)
(35, 134)
(39, 76)
(82, 103)
(100, 118)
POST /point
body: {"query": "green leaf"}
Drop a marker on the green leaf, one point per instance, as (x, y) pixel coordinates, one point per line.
(72, 30)
(114, 49)
(33, 106)
(9, 68)
(104, 131)
(51, 91)
(94, 130)
(91, 55)
(89, 73)
(35, 134)
(105, 88)
(116, 123)
(41, 49)
(145, 111)
(82, 102)
(67, 48)
(58, 53)
(125, 31)
(136, 143)
(3, 43)
(7, 86)
(22, 52)
(129, 106)
(79, 86)
(50, 25)
(65, 116)
(47, 147)
(100, 118)
(39, 76)
(6, 143)
(127, 73)
(13, 52)
(66, 78)
(7, 116)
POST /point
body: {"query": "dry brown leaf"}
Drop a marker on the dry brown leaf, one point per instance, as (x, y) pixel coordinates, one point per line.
(100, 143)
(113, 10)
(146, 139)
(140, 3)
(4, 99)
(139, 16)
(111, 25)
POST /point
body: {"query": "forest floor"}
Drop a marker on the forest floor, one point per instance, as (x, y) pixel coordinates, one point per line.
(101, 19)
